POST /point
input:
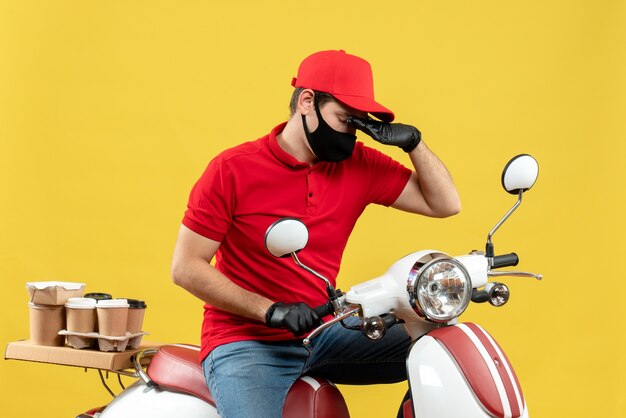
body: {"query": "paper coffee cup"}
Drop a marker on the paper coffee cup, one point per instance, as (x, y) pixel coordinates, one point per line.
(97, 296)
(81, 314)
(136, 312)
(112, 317)
(45, 323)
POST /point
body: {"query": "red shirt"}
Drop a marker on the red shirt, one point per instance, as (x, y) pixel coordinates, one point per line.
(247, 188)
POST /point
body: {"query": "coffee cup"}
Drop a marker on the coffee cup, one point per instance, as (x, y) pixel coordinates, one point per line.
(81, 314)
(45, 323)
(97, 296)
(136, 312)
(112, 317)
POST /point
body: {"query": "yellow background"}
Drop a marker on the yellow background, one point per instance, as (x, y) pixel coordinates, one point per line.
(110, 110)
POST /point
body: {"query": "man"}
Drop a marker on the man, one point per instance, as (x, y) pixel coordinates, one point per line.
(259, 307)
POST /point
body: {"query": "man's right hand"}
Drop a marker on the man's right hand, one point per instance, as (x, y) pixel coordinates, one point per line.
(298, 318)
(404, 136)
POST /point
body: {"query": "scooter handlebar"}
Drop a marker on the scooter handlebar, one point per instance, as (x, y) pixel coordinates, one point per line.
(505, 260)
(347, 312)
(324, 309)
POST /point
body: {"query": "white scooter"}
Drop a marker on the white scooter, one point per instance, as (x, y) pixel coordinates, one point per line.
(454, 369)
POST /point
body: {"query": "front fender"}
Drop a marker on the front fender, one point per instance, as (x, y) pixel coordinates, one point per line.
(460, 370)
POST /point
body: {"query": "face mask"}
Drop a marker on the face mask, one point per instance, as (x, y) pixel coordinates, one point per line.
(328, 144)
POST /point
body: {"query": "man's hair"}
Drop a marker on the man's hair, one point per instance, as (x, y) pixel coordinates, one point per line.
(322, 99)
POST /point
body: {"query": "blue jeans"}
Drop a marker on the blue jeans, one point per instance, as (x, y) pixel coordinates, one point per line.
(252, 378)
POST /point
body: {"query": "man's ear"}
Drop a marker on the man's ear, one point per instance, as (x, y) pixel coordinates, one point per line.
(305, 101)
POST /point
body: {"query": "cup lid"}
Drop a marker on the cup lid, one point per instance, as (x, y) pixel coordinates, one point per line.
(80, 303)
(98, 296)
(136, 304)
(112, 303)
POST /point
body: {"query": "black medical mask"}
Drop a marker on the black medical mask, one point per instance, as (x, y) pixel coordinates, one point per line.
(328, 144)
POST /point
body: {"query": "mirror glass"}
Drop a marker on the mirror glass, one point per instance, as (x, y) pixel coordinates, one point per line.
(520, 173)
(286, 236)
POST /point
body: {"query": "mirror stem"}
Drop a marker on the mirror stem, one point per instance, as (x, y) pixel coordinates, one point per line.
(489, 247)
(329, 287)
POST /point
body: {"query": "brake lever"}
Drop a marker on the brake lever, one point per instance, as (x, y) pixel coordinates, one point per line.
(349, 311)
(514, 274)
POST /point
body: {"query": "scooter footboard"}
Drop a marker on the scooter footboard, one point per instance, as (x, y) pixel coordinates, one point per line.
(461, 371)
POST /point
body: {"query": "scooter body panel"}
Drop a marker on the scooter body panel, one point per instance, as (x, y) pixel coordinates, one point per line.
(446, 381)
(139, 400)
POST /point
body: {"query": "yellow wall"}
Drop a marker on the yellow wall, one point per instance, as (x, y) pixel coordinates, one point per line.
(110, 110)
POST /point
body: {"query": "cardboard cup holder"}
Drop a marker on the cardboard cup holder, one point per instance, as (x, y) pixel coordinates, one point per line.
(81, 340)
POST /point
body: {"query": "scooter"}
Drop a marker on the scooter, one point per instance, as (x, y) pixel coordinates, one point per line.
(454, 369)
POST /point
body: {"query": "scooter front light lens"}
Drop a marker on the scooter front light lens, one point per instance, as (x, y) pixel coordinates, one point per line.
(440, 289)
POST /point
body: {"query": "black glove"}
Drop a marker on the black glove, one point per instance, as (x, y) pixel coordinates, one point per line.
(404, 136)
(296, 317)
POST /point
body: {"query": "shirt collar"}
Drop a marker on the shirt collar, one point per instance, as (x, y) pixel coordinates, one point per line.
(280, 153)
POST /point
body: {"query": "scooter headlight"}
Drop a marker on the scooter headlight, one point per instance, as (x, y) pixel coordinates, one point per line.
(439, 287)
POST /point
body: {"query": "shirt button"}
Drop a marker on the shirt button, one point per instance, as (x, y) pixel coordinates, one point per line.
(310, 194)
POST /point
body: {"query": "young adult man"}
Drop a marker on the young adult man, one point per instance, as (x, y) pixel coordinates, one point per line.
(311, 167)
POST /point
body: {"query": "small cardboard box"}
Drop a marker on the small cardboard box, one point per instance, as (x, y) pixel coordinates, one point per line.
(53, 293)
(24, 350)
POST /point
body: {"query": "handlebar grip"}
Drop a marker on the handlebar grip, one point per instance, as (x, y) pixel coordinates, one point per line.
(505, 260)
(479, 296)
(324, 309)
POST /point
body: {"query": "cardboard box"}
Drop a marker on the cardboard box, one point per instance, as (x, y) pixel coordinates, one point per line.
(93, 359)
(53, 293)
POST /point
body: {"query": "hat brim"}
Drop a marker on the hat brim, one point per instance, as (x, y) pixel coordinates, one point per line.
(367, 105)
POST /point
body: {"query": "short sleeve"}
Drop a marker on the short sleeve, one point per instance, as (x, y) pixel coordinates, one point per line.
(387, 177)
(211, 202)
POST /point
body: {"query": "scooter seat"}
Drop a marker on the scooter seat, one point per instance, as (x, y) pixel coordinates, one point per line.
(178, 367)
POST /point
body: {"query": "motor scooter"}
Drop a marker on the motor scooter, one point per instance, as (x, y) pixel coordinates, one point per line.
(454, 369)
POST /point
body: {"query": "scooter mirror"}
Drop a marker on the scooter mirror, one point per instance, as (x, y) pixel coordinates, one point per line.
(286, 236)
(520, 174)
